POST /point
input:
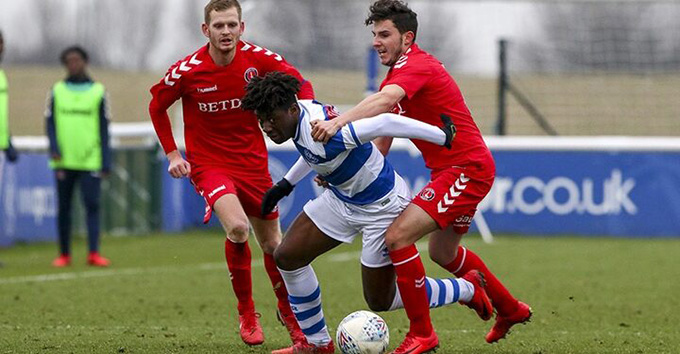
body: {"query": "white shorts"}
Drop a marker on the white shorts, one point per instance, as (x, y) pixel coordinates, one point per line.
(343, 221)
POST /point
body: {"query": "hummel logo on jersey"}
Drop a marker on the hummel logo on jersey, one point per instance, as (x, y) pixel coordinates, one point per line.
(206, 89)
(453, 192)
(420, 282)
(220, 188)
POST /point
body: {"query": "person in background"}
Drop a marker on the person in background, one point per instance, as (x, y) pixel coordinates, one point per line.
(78, 131)
(5, 139)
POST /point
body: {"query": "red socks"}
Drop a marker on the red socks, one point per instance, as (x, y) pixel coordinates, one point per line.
(238, 261)
(411, 283)
(277, 281)
(467, 260)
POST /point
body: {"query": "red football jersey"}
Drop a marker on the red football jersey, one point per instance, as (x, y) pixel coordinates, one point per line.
(216, 130)
(431, 91)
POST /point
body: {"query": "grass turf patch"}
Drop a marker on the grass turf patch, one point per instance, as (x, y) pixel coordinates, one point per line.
(171, 293)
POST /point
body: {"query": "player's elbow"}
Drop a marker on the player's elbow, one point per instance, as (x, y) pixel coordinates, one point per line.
(155, 109)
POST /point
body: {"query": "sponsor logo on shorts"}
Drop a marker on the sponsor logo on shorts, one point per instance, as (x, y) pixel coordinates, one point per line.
(214, 191)
(464, 220)
(455, 190)
(249, 74)
(427, 194)
(385, 202)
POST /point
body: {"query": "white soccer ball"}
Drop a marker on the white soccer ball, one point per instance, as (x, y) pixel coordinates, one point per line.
(362, 332)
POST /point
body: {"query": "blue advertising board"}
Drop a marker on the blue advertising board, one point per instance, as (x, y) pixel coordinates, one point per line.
(622, 193)
(585, 193)
(628, 194)
(28, 200)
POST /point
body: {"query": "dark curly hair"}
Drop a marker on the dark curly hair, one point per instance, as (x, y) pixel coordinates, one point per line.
(398, 12)
(74, 49)
(275, 90)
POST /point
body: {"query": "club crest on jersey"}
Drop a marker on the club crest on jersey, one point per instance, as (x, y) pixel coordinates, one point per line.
(330, 111)
(249, 74)
(427, 194)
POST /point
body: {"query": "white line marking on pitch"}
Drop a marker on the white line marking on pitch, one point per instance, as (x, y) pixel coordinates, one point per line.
(335, 258)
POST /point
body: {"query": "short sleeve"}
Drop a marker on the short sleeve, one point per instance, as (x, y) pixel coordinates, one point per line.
(411, 78)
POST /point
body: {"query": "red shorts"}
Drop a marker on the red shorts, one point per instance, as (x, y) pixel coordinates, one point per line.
(214, 182)
(451, 198)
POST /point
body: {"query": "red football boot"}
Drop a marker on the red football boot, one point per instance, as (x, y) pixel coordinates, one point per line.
(502, 326)
(285, 315)
(95, 260)
(480, 300)
(62, 261)
(250, 329)
(306, 348)
(418, 345)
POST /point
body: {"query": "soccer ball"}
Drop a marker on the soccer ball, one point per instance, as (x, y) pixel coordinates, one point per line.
(362, 332)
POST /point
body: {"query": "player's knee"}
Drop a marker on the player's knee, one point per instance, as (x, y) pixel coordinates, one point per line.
(440, 256)
(394, 239)
(377, 303)
(269, 246)
(284, 259)
(239, 231)
(439, 259)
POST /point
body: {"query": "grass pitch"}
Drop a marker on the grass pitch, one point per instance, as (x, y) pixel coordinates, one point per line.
(171, 294)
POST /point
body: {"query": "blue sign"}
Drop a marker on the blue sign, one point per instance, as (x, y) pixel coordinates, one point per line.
(28, 200)
(600, 193)
(585, 193)
(628, 194)
(631, 194)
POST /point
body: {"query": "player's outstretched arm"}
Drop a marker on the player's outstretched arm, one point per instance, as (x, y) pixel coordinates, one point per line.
(389, 124)
(283, 187)
(379, 102)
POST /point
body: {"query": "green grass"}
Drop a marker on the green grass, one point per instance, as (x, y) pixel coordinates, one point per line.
(171, 294)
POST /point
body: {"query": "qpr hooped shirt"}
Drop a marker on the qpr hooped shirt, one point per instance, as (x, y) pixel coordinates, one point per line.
(217, 130)
(430, 91)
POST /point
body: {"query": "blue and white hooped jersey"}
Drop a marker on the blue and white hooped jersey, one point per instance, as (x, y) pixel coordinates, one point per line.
(357, 172)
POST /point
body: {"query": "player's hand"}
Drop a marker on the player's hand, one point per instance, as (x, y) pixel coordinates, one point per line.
(449, 129)
(179, 167)
(281, 189)
(323, 130)
(320, 181)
